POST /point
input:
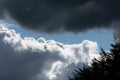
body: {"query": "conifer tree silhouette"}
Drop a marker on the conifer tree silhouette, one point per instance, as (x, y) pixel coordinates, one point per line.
(105, 68)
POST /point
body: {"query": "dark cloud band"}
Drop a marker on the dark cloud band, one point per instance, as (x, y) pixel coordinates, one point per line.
(52, 16)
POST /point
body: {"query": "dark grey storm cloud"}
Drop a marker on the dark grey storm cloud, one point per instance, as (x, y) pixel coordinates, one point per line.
(62, 15)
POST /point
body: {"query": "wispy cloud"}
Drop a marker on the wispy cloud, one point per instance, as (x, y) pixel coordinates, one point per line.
(31, 59)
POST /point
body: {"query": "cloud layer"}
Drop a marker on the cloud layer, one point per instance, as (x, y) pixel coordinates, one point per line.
(31, 59)
(50, 16)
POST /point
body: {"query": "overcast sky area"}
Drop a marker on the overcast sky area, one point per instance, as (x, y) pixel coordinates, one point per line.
(48, 39)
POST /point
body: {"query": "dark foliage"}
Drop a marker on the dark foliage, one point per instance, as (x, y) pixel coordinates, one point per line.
(105, 68)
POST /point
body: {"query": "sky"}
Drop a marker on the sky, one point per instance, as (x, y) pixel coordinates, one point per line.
(49, 39)
(101, 36)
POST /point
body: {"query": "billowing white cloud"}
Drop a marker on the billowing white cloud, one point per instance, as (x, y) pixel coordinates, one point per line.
(31, 59)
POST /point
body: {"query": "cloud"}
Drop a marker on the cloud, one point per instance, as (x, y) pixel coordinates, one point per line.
(117, 34)
(50, 16)
(31, 59)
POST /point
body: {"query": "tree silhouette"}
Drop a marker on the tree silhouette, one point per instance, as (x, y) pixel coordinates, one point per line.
(107, 67)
